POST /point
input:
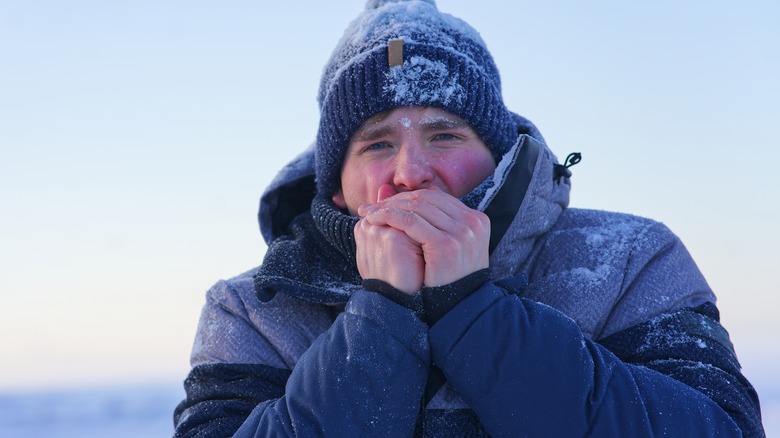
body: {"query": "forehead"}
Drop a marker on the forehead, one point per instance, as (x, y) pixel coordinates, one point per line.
(408, 117)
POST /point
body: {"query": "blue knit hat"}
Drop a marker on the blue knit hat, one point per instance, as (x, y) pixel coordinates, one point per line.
(406, 53)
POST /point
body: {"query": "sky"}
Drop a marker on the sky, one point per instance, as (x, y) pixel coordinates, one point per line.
(137, 137)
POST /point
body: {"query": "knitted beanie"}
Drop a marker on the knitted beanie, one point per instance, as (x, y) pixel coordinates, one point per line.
(400, 53)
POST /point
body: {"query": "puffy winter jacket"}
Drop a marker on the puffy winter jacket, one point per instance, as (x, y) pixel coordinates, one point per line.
(592, 324)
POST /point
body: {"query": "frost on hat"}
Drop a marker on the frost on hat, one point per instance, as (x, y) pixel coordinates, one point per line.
(407, 53)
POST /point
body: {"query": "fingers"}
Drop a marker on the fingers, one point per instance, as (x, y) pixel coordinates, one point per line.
(454, 238)
(412, 200)
(385, 191)
(388, 254)
(424, 212)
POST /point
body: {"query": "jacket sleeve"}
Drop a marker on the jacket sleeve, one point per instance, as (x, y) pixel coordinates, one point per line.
(364, 376)
(527, 369)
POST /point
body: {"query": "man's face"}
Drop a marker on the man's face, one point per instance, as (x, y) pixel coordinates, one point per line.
(412, 148)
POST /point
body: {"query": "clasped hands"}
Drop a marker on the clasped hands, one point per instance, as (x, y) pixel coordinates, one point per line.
(420, 238)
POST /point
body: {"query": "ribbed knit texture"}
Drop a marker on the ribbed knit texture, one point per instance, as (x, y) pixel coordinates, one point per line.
(337, 227)
(446, 65)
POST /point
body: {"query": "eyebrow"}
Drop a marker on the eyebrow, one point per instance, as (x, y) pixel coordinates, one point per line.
(442, 123)
(370, 133)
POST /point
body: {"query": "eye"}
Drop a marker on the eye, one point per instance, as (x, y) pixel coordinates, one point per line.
(374, 147)
(445, 136)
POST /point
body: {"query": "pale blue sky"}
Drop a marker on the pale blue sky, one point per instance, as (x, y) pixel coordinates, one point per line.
(136, 138)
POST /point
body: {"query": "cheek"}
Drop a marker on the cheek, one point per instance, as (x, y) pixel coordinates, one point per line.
(467, 172)
(361, 184)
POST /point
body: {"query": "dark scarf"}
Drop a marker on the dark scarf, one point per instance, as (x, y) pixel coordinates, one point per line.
(304, 256)
(336, 227)
(314, 260)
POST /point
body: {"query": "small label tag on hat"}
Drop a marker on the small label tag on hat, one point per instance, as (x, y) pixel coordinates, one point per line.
(395, 52)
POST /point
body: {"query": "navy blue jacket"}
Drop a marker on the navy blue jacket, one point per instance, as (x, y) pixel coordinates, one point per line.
(592, 324)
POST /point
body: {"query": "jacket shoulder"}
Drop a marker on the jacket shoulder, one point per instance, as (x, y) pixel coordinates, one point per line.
(601, 239)
(278, 331)
(609, 271)
(577, 218)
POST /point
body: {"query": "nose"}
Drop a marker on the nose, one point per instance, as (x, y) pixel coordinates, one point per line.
(412, 168)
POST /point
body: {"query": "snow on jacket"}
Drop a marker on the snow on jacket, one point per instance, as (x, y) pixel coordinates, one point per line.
(594, 323)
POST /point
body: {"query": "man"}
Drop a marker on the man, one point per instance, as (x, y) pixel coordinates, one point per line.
(424, 276)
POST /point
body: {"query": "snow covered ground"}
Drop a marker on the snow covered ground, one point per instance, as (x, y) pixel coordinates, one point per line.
(123, 412)
(145, 411)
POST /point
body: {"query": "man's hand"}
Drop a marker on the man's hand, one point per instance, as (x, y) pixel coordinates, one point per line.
(388, 254)
(452, 239)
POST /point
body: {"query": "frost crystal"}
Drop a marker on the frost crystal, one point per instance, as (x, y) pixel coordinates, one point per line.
(421, 80)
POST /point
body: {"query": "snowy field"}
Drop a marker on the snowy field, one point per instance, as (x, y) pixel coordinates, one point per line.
(119, 412)
(146, 411)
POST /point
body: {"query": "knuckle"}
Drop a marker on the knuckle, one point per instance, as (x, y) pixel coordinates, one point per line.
(407, 218)
(478, 221)
(415, 204)
(448, 244)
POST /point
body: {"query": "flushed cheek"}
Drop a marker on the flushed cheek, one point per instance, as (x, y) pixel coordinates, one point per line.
(366, 183)
(464, 173)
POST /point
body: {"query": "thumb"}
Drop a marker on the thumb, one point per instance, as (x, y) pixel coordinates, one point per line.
(385, 191)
